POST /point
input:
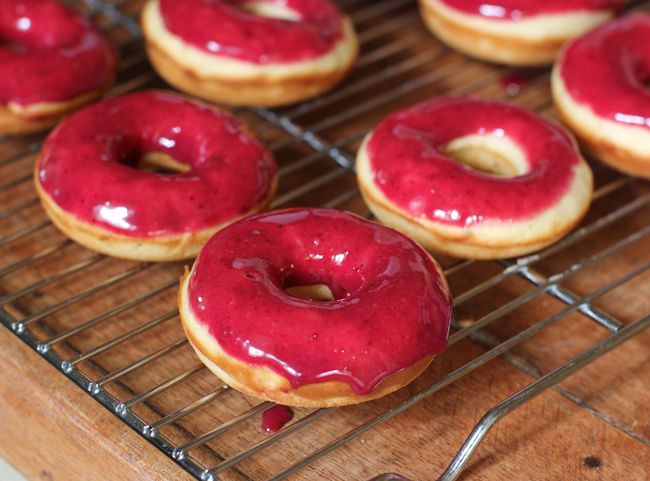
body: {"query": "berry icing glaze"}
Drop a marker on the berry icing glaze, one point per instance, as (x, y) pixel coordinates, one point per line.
(86, 167)
(397, 311)
(410, 168)
(222, 27)
(608, 70)
(276, 418)
(50, 53)
(518, 9)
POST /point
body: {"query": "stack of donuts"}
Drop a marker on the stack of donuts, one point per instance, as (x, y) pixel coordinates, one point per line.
(318, 307)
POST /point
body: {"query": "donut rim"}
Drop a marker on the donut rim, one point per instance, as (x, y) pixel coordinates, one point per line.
(624, 147)
(263, 383)
(151, 249)
(16, 119)
(230, 81)
(530, 42)
(166, 248)
(19, 120)
(486, 240)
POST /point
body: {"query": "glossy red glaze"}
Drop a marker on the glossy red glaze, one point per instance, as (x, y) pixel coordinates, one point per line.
(410, 169)
(53, 53)
(517, 80)
(222, 27)
(608, 70)
(86, 166)
(518, 9)
(276, 418)
(397, 311)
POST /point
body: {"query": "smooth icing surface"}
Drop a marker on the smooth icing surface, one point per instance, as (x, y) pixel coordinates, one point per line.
(276, 418)
(410, 168)
(608, 70)
(86, 166)
(515, 81)
(50, 53)
(397, 311)
(518, 9)
(223, 27)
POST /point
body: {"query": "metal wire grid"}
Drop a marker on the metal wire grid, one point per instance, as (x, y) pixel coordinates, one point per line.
(380, 19)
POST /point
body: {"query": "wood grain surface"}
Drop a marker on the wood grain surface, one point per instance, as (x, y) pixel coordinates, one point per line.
(593, 426)
(53, 432)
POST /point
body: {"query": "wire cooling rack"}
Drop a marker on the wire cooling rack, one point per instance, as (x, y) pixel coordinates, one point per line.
(111, 326)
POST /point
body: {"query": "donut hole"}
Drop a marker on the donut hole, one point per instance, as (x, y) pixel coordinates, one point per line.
(497, 156)
(316, 292)
(270, 10)
(160, 163)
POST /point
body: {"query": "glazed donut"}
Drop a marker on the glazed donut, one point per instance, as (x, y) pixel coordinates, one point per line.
(522, 33)
(53, 61)
(387, 318)
(235, 51)
(600, 89)
(97, 175)
(474, 178)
